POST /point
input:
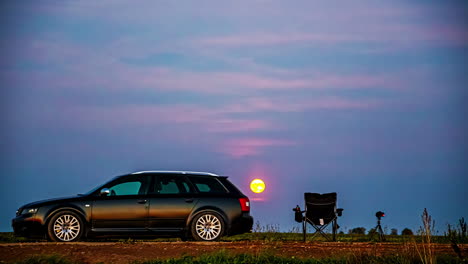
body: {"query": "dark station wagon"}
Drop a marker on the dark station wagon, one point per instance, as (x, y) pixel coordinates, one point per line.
(198, 205)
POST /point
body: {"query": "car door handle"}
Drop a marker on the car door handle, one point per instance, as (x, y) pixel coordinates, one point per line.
(189, 200)
(142, 201)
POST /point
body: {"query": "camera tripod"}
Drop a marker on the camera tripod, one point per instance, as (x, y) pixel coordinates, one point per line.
(379, 231)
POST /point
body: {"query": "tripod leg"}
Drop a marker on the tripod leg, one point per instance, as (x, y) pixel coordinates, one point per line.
(376, 230)
(382, 235)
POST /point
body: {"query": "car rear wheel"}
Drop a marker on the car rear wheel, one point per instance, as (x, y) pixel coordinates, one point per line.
(208, 226)
(65, 226)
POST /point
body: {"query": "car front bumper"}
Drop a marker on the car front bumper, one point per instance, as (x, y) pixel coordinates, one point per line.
(27, 225)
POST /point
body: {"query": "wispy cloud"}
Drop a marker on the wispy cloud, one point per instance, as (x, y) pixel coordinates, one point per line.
(243, 147)
(89, 68)
(403, 36)
(200, 120)
(262, 39)
(291, 104)
(235, 82)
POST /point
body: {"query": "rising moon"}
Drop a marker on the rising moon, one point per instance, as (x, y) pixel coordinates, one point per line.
(257, 186)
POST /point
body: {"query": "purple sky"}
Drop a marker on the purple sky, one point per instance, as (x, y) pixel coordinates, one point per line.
(365, 98)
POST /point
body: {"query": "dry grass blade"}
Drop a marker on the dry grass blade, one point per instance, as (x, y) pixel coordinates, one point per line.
(426, 249)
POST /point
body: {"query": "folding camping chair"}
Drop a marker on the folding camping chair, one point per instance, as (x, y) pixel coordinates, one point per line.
(320, 211)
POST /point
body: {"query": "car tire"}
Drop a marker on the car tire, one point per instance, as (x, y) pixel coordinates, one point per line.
(207, 226)
(65, 226)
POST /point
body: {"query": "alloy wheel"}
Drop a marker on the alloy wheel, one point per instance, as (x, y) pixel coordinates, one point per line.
(208, 227)
(66, 227)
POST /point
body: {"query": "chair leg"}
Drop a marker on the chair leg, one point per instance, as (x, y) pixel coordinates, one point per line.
(304, 230)
(334, 230)
(319, 230)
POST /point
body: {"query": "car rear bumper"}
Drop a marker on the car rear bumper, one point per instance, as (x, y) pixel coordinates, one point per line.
(242, 225)
(27, 226)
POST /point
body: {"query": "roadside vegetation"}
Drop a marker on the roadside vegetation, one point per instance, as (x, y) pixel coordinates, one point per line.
(267, 258)
(224, 257)
(269, 236)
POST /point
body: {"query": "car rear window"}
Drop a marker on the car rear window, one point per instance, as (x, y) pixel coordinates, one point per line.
(231, 187)
(208, 185)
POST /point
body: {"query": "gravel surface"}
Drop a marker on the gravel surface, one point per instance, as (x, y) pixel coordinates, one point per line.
(118, 252)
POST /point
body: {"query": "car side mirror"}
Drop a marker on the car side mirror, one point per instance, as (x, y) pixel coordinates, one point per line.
(104, 192)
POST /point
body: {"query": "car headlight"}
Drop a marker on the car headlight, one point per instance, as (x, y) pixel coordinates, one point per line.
(29, 211)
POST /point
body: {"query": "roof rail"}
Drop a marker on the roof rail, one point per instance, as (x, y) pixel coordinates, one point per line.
(177, 172)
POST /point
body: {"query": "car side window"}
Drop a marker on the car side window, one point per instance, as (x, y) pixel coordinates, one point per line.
(128, 187)
(208, 185)
(167, 184)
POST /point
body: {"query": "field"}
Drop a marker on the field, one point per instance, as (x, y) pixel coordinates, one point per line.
(247, 248)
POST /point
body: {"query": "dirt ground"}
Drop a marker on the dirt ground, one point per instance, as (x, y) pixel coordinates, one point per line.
(118, 252)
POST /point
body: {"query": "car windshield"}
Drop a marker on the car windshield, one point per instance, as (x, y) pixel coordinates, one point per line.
(98, 187)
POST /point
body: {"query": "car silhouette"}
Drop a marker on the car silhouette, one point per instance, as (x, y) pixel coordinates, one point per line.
(191, 205)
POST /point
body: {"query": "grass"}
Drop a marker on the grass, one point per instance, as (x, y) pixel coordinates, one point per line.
(288, 236)
(9, 237)
(267, 236)
(47, 259)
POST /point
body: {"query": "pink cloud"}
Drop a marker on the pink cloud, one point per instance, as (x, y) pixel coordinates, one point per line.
(234, 82)
(89, 68)
(226, 125)
(263, 104)
(171, 123)
(274, 39)
(444, 34)
(382, 34)
(125, 77)
(242, 147)
(199, 119)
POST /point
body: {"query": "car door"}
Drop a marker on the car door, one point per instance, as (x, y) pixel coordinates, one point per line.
(125, 208)
(171, 202)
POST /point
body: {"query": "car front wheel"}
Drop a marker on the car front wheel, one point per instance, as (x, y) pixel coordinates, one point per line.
(208, 226)
(65, 226)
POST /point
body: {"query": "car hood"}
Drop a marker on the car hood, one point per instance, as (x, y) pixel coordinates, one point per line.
(54, 200)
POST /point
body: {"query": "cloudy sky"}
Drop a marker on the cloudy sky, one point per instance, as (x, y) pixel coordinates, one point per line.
(365, 98)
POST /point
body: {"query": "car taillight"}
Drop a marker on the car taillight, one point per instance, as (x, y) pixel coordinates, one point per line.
(245, 204)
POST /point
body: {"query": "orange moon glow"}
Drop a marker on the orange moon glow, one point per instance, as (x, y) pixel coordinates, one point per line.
(257, 186)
